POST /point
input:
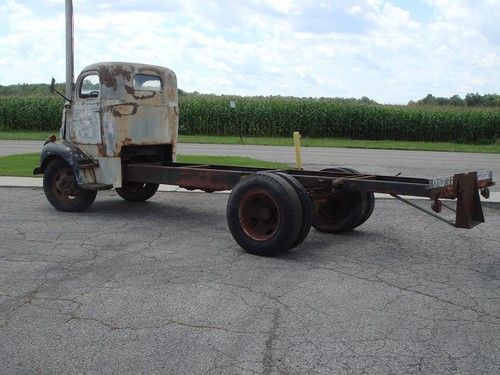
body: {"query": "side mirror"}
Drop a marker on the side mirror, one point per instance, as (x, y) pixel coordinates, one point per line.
(53, 89)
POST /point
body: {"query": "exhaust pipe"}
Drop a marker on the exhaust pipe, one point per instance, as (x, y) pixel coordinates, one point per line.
(69, 49)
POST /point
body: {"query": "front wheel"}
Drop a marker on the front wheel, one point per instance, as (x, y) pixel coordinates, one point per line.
(62, 191)
(137, 191)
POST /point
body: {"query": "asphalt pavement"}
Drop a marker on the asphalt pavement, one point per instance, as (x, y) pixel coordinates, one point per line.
(161, 287)
(423, 164)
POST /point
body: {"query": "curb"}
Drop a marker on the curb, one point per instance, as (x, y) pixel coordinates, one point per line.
(37, 182)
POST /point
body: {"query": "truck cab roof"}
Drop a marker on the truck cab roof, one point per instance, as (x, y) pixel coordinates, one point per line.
(121, 79)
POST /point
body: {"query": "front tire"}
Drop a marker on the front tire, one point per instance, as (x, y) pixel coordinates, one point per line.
(62, 190)
(137, 191)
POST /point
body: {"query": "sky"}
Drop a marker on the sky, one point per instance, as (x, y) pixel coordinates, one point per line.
(392, 51)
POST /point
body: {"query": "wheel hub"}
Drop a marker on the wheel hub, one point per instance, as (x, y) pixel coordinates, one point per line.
(264, 213)
(259, 215)
(65, 184)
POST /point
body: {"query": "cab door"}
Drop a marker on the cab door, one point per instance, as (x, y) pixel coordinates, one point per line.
(86, 127)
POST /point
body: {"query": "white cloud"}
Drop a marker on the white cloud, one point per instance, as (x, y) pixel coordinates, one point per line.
(329, 48)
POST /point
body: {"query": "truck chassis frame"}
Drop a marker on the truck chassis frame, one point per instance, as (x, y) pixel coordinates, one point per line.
(320, 185)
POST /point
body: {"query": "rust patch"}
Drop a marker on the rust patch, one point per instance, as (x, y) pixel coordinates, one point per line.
(125, 109)
(101, 151)
(172, 92)
(130, 90)
(127, 141)
(107, 77)
(108, 74)
(123, 70)
(145, 96)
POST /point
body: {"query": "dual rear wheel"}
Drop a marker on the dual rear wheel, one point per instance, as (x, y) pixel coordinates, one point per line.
(265, 214)
(268, 213)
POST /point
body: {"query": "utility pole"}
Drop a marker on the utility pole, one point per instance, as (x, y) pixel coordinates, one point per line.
(69, 48)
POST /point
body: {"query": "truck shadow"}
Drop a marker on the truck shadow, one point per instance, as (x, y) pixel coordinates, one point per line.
(157, 209)
(208, 215)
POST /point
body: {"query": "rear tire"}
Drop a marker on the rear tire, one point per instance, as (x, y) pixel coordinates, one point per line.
(137, 191)
(264, 214)
(62, 190)
(370, 198)
(307, 207)
(339, 214)
(345, 212)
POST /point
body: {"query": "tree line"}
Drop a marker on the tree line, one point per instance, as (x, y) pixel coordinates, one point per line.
(470, 100)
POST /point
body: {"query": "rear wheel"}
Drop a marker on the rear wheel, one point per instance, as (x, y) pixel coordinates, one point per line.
(137, 191)
(62, 190)
(339, 214)
(264, 214)
(369, 196)
(307, 207)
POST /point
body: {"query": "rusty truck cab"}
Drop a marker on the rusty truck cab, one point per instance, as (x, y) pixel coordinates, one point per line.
(121, 111)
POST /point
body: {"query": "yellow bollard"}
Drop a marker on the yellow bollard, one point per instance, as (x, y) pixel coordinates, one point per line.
(296, 144)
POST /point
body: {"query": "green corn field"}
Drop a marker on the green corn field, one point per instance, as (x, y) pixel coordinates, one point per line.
(30, 113)
(281, 116)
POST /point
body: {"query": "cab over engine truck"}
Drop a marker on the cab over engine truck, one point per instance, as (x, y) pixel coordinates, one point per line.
(119, 130)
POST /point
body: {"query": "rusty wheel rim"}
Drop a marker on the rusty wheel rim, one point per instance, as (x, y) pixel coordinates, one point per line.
(259, 215)
(64, 186)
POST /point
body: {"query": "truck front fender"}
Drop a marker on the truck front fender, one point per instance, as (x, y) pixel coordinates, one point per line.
(67, 151)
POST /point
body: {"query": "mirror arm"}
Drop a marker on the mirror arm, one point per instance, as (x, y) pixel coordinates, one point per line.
(52, 89)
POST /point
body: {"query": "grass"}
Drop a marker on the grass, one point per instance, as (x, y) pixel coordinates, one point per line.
(237, 161)
(19, 165)
(27, 135)
(306, 142)
(346, 143)
(23, 165)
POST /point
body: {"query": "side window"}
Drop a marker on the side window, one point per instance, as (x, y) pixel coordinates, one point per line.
(145, 82)
(90, 86)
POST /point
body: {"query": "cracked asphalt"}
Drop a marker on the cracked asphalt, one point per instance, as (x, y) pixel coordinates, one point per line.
(161, 287)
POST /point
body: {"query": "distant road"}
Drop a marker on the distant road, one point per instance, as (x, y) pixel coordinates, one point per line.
(389, 162)
(19, 147)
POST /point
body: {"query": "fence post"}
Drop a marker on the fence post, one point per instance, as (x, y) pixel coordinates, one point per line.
(296, 144)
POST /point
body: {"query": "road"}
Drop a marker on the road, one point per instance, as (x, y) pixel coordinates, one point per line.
(389, 162)
(161, 287)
